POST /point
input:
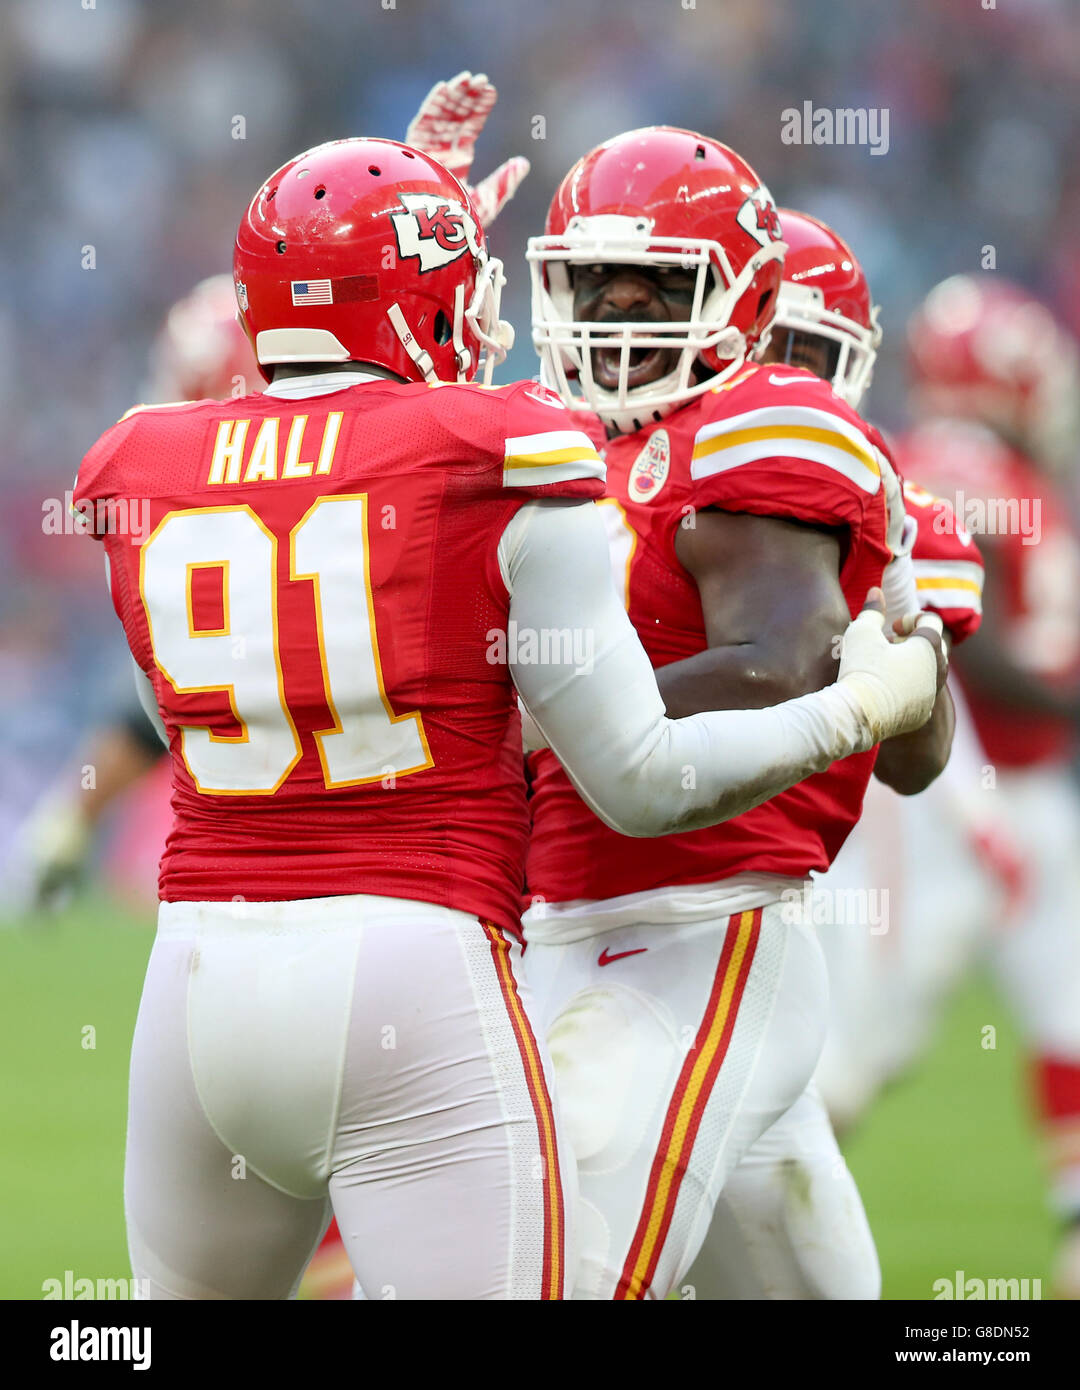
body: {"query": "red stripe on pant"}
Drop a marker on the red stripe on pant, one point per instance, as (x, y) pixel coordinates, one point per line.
(689, 1099)
(554, 1268)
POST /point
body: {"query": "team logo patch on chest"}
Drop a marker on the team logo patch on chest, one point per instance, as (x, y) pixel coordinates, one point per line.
(650, 469)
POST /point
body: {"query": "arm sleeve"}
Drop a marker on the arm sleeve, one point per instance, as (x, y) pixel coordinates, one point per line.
(142, 721)
(594, 697)
(898, 579)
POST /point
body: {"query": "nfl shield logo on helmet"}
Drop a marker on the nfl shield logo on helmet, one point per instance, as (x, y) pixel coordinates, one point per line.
(435, 229)
(241, 295)
(650, 469)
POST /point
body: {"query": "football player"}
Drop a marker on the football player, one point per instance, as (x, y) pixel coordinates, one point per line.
(790, 1223)
(960, 873)
(997, 386)
(201, 352)
(346, 580)
(748, 507)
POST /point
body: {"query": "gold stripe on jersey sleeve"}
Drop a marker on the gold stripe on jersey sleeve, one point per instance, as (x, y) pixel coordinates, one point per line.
(833, 439)
(550, 457)
(946, 581)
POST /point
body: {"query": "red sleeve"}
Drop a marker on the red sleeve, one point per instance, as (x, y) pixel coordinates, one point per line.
(781, 443)
(948, 566)
(98, 480)
(518, 440)
(547, 451)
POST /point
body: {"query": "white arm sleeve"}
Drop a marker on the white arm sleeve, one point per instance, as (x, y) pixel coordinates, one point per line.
(898, 581)
(145, 691)
(143, 687)
(587, 682)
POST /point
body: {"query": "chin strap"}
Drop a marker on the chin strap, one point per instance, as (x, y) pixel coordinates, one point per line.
(462, 355)
(421, 359)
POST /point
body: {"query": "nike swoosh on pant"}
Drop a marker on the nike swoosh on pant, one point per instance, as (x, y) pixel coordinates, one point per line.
(606, 959)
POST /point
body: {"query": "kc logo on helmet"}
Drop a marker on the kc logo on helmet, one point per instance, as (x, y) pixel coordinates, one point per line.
(759, 217)
(435, 229)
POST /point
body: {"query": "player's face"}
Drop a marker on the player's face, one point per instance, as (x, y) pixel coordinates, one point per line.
(632, 294)
(795, 349)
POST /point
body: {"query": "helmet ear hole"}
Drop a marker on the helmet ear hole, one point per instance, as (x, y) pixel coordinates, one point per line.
(442, 329)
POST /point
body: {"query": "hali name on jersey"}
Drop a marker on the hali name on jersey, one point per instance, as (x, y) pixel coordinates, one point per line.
(265, 453)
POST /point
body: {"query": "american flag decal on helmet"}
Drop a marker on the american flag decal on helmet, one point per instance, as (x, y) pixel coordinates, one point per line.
(311, 292)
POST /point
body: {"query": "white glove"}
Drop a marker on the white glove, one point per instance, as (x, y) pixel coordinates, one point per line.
(895, 683)
(447, 125)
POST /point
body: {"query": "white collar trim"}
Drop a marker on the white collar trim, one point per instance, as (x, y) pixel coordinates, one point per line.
(318, 384)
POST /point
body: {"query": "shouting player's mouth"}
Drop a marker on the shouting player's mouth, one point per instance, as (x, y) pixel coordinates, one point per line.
(614, 296)
(645, 365)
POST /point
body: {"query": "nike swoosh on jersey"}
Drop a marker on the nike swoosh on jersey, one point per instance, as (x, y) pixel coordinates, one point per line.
(785, 380)
(605, 958)
(556, 403)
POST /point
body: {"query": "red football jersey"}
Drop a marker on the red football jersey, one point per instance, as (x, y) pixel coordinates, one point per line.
(996, 492)
(774, 442)
(314, 590)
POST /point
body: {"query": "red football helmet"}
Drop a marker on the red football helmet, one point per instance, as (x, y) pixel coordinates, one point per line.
(824, 294)
(982, 348)
(657, 197)
(365, 250)
(202, 350)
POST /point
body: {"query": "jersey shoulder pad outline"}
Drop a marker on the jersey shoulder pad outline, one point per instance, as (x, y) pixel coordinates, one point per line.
(550, 456)
(143, 409)
(544, 443)
(805, 423)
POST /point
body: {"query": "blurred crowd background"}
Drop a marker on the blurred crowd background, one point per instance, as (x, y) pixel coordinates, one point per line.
(120, 124)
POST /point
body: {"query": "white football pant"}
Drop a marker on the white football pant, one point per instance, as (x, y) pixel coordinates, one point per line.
(368, 1055)
(675, 1044)
(790, 1222)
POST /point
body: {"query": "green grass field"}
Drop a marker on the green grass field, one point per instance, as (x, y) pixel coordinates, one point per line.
(947, 1161)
